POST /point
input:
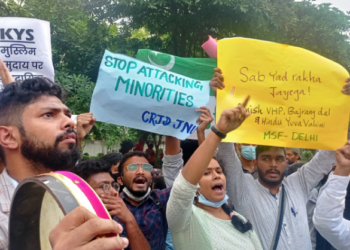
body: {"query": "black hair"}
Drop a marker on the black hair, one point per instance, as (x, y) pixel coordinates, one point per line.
(129, 155)
(260, 149)
(237, 222)
(17, 95)
(87, 168)
(112, 158)
(188, 148)
(158, 183)
(126, 146)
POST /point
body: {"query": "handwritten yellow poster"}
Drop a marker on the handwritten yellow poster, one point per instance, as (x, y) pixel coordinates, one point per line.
(296, 98)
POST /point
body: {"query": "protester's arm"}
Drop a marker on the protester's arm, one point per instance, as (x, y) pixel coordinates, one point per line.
(226, 154)
(85, 123)
(236, 180)
(172, 160)
(309, 175)
(204, 120)
(179, 206)
(328, 215)
(5, 74)
(181, 198)
(117, 207)
(196, 166)
(78, 230)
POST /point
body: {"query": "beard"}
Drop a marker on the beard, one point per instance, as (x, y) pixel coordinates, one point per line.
(268, 182)
(49, 157)
(138, 193)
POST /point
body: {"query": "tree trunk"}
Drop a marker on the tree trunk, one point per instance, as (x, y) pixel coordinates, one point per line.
(174, 31)
(183, 33)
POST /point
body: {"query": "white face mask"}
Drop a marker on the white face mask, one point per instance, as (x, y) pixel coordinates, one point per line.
(205, 201)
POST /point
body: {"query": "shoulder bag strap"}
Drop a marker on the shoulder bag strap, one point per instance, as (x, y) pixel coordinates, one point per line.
(279, 222)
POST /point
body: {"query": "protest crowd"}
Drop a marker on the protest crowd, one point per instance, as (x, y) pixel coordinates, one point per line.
(217, 200)
(207, 194)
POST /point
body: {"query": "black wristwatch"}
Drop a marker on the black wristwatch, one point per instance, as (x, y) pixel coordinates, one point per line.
(218, 133)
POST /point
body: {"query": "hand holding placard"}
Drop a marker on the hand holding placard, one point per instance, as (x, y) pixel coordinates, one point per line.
(217, 82)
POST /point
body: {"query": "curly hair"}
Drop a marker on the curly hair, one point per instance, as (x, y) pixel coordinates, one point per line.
(16, 96)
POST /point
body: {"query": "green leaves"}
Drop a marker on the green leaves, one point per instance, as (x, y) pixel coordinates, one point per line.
(83, 29)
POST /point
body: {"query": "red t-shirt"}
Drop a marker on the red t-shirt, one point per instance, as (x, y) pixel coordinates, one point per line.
(139, 146)
(151, 154)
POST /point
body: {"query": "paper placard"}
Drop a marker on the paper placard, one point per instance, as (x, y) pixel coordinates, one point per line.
(25, 47)
(139, 95)
(296, 99)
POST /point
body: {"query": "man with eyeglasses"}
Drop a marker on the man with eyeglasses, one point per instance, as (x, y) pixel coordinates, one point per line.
(149, 207)
(97, 174)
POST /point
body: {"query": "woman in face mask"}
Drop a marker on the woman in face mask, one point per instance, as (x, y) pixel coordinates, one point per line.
(197, 213)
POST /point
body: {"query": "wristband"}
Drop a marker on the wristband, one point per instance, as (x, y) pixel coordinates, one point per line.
(218, 133)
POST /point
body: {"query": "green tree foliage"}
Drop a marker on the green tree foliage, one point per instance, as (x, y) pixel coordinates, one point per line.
(79, 89)
(185, 24)
(322, 29)
(82, 29)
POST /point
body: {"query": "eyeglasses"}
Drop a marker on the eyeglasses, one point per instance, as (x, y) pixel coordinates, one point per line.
(134, 167)
(107, 187)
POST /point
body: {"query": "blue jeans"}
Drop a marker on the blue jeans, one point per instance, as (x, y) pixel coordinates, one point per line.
(169, 241)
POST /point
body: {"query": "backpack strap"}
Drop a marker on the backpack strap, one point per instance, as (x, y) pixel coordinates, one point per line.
(156, 201)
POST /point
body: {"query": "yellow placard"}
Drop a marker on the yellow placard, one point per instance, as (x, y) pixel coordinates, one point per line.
(296, 99)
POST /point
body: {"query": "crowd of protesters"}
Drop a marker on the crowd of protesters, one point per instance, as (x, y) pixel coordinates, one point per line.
(207, 194)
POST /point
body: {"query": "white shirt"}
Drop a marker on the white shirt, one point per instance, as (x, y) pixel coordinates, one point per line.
(260, 207)
(328, 216)
(194, 228)
(6, 192)
(15, 183)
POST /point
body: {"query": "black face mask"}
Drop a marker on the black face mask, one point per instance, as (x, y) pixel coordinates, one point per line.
(115, 178)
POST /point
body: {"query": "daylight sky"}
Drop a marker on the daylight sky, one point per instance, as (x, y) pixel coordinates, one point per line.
(343, 5)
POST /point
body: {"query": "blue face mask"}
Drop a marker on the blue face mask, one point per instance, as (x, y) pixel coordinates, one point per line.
(204, 201)
(248, 152)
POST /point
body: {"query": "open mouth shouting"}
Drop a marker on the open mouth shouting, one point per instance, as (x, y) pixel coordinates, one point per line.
(218, 188)
(141, 182)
